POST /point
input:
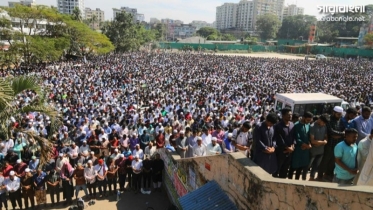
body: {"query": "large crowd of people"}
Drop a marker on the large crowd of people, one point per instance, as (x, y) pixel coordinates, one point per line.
(119, 110)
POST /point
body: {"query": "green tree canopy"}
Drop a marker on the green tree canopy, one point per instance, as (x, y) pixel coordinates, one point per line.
(127, 35)
(296, 26)
(61, 34)
(268, 25)
(369, 39)
(207, 31)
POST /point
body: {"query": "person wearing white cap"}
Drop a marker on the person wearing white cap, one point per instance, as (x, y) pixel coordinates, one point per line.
(115, 154)
(213, 148)
(200, 149)
(84, 149)
(335, 135)
(13, 184)
(136, 176)
(181, 144)
(73, 153)
(206, 137)
(150, 150)
(138, 151)
(90, 176)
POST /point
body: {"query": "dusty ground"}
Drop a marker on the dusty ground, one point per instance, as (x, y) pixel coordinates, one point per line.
(265, 55)
(129, 200)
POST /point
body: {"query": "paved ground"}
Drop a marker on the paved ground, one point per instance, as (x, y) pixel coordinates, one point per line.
(265, 55)
(129, 200)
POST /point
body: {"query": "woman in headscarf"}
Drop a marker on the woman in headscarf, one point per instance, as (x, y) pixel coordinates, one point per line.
(67, 185)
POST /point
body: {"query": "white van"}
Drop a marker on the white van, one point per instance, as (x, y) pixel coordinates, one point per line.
(316, 103)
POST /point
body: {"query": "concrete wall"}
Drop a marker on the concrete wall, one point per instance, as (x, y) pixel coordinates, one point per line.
(249, 187)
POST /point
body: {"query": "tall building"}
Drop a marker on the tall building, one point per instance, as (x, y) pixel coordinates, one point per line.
(171, 21)
(97, 16)
(29, 3)
(226, 16)
(262, 7)
(183, 31)
(68, 6)
(131, 11)
(292, 10)
(154, 21)
(245, 15)
(200, 24)
(140, 18)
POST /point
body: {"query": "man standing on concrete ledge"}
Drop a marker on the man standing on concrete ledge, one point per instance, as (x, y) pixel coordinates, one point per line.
(345, 158)
(265, 155)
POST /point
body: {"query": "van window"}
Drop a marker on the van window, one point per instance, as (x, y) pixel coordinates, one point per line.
(287, 106)
(279, 105)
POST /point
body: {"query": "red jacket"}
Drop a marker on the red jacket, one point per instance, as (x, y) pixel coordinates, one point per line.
(6, 171)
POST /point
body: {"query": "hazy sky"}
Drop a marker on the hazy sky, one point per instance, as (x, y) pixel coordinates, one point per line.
(188, 10)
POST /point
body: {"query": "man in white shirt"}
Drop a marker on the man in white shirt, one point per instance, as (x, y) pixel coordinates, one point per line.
(200, 149)
(150, 150)
(8, 144)
(101, 171)
(213, 148)
(115, 155)
(3, 199)
(206, 137)
(138, 151)
(73, 153)
(362, 153)
(136, 176)
(90, 177)
(12, 184)
(84, 149)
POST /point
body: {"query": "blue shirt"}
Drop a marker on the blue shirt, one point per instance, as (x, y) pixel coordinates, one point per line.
(351, 124)
(33, 165)
(363, 126)
(347, 154)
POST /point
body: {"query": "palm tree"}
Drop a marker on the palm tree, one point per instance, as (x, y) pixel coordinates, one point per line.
(77, 14)
(10, 88)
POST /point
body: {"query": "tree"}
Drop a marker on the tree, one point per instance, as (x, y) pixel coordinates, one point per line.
(296, 26)
(77, 15)
(369, 39)
(268, 26)
(9, 89)
(61, 34)
(207, 31)
(125, 34)
(228, 37)
(159, 31)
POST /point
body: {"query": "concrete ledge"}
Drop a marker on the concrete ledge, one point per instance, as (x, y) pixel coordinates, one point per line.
(250, 187)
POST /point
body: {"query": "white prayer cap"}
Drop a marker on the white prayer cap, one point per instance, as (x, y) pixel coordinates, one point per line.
(92, 153)
(230, 135)
(27, 170)
(121, 155)
(175, 131)
(89, 161)
(137, 145)
(199, 138)
(116, 150)
(137, 156)
(214, 139)
(181, 132)
(338, 109)
(61, 155)
(19, 161)
(12, 173)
